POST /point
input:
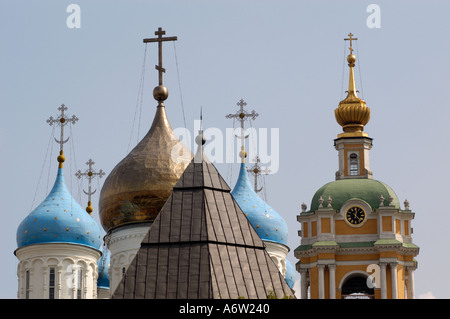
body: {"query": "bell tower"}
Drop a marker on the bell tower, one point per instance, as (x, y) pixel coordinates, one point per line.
(353, 145)
(356, 240)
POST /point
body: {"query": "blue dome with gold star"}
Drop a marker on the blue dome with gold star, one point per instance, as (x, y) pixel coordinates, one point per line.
(290, 274)
(265, 220)
(103, 269)
(59, 219)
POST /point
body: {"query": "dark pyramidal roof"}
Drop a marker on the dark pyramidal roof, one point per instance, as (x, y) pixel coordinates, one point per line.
(201, 246)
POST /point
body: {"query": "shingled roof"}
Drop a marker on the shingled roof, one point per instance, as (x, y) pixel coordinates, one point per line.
(201, 246)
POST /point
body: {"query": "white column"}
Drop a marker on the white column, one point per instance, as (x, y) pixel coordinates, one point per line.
(332, 269)
(394, 280)
(410, 282)
(304, 284)
(21, 274)
(383, 280)
(46, 277)
(31, 285)
(74, 283)
(85, 284)
(58, 290)
(321, 269)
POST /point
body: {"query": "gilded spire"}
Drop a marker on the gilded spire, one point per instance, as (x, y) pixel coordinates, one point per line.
(352, 113)
(140, 184)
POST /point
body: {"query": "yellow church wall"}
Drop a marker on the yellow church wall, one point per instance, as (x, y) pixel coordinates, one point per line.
(357, 257)
(325, 224)
(386, 222)
(313, 228)
(327, 285)
(326, 256)
(406, 257)
(398, 228)
(369, 227)
(377, 293)
(343, 270)
(388, 283)
(406, 227)
(305, 230)
(401, 281)
(388, 254)
(308, 260)
(314, 289)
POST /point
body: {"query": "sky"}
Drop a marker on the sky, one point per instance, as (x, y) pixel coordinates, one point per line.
(286, 59)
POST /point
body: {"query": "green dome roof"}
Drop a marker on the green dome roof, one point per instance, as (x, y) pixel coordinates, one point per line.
(342, 190)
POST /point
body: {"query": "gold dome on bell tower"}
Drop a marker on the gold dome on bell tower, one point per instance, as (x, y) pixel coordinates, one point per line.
(352, 113)
(140, 184)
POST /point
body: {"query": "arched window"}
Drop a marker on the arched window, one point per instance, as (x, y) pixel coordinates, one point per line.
(27, 284)
(354, 167)
(51, 283)
(356, 287)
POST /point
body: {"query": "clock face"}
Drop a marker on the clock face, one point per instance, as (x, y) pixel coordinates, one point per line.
(355, 215)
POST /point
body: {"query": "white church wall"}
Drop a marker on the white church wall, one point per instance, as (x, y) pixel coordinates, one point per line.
(57, 270)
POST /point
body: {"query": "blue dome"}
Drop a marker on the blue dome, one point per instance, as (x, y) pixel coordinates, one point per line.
(103, 269)
(290, 274)
(265, 220)
(59, 219)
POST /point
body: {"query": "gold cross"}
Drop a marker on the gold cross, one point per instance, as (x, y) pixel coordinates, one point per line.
(258, 170)
(62, 120)
(160, 40)
(350, 38)
(90, 173)
(242, 115)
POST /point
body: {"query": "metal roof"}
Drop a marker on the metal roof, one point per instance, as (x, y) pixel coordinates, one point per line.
(201, 246)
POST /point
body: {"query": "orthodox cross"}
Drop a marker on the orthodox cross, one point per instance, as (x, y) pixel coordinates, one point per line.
(160, 40)
(242, 115)
(90, 173)
(258, 170)
(62, 120)
(350, 39)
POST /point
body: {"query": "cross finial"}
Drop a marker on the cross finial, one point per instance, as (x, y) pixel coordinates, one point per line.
(90, 173)
(257, 170)
(160, 40)
(242, 115)
(350, 39)
(62, 120)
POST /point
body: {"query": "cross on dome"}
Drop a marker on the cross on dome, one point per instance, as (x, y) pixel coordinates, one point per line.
(160, 39)
(90, 173)
(350, 39)
(242, 115)
(256, 170)
(62, 120)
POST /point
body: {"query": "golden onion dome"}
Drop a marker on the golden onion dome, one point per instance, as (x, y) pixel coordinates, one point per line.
(352, 113)
(139, 185)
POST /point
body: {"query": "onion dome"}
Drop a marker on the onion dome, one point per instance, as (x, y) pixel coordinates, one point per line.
(269, 225)
(290, 274)
(103, 265)
(59, 219)
(352, 113)
(139, 185)
(371, 191)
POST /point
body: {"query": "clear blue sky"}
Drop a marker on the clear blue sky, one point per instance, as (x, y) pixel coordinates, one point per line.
(284, 58)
